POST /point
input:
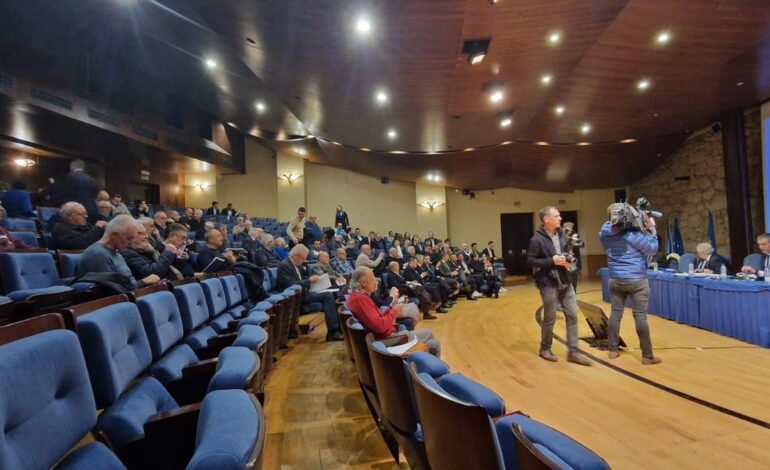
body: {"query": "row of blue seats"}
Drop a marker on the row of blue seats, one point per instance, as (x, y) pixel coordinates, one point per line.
(445, 420)
(170, 335)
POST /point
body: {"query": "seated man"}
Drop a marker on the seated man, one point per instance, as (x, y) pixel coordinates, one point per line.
(118, 206)
(315, 251)
(160, 219)
(230, 211)
(265, 255)
(212, 258)
(153, 235)
(364, 259)
(393, 278)
(341, 263)
(197, 224)
(292, 271)
(104, 255)
(17, 201)
(763, 242)
(708, 261)
(380, 323)
(413, 275)
(281, 249)
(73, 232)
(352, 249)
(103, 211)
(251, 242)
(214, 209)
(173, 263)
(323, 267)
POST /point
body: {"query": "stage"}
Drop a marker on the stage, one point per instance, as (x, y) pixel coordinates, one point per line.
(706, 406)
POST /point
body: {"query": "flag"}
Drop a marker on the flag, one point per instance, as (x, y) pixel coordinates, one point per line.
(710, 232)
(678, 243)
(670, 248)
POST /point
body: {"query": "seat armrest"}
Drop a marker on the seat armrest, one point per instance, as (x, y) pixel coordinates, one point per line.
(205, 367)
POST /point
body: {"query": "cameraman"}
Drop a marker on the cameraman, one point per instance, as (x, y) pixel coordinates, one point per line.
(547, 255)
(628, 237)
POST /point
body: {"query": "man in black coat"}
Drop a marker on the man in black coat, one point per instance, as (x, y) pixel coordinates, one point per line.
(761, 269)
(393, 278)
(171, 263)
(73, 232)
(77, 186)
(292, 271)
(546, 257)
(710, 262)
(211, 258)
(214, 209)
(413, 273)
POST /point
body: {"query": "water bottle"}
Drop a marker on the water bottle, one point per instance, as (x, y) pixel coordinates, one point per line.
(690, 268)
(655, 266)
(723, 272)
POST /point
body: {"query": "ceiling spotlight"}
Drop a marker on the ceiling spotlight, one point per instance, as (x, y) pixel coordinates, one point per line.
(663, 37)
(476, 57)
(546, 79)
(582, 144)
(643, 84)
(492, 2)
(559, 110)
(392, 134)
(507, 142)
(365, 149)
(469, 149)
(554, 38)
(628, 141)
(363, 26)
(739, 84)
(211, 63)
(476, 50)
(506, 121)
(585, 128)
(260, 106)
(381, 97)
(542, 143)
(496, 96)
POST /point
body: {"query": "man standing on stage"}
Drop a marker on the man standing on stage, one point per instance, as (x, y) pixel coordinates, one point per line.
(628, 240)
(546, 255)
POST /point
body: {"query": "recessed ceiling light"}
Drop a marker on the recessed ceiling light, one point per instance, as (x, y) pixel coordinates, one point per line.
(398, 152)
(468, 149)
(546, 79)
(739, 84)
(492, 2)
(559, 110)
(542, 143)
(381, 96)
(554, 38)
(585, 128)
(643, 84)
(211, 63)
(663, 37)
(476, 57)
(506, 121)
(392, 134)
(260, 106)
(582, 144)
(507, 142)
(365, 149)
(628, 141)
(496, 96)
(363, 25)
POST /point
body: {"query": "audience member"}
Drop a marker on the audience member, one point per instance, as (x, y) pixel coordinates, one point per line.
(104, 255)
(187, 216)
(118, 207)
(197, 224)
(381, 323)
(296, 228)
(491, 283)
(393, 278)
(341, 218)
(141, 209)
(292, 271)
(312, 231)
(214, 209)
(73, 232)
(77, 186)
(315, 251)
(364, 259)
(352, 249)
(240, 226)
(161, 223)
(230, 211)
(103, 211)
(323, 267)
(143, 259)
(341, 264)
(281, 249)
(153, 235)
(212, 258)
(266, 256)
(17, 201)
(174, 217)
(413, 274)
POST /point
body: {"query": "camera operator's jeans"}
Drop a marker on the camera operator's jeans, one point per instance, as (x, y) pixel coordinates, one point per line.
(552, 296)
(639, 291)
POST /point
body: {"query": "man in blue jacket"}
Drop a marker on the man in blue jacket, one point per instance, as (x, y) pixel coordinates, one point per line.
(627, 244)
(547, 255)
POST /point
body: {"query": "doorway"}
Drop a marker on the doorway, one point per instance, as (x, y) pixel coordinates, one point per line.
(516, 230)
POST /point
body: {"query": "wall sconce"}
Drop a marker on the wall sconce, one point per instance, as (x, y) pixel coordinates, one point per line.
(24, 162)
(290, 177)
(202, 186)
(431, 204)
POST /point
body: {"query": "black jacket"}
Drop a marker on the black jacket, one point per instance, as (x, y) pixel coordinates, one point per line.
(211, 261)
(67, 236)
(287, 275)
(142, 264)
(79, 187)
(394, 280)
(411, 274)
(714, 263)
(540, 258)
(341, 217)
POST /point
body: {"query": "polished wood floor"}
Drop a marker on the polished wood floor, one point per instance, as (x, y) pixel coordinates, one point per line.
(318, 420)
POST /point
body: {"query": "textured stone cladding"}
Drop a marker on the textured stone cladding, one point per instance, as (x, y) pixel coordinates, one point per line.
(700, 159)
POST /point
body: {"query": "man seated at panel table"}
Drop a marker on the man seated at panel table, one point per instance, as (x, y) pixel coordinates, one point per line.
(708, 261)
(376, 321)
(763, 241)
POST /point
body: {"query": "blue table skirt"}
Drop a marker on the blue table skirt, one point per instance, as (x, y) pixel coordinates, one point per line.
(739, 309)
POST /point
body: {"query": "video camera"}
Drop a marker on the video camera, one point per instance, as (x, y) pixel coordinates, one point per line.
(627, 217)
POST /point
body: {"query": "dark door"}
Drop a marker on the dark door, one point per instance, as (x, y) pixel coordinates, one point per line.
(152, 194)
(516, 230)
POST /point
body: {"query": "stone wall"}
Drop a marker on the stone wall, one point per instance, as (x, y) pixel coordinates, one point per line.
(700, 159)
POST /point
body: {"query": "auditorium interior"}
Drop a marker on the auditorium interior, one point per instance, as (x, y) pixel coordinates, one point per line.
(357, 234)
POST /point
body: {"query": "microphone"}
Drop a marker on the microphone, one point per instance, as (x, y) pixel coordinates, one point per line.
(655, 214)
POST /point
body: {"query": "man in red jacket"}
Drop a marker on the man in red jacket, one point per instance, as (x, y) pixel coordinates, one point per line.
(381, 322)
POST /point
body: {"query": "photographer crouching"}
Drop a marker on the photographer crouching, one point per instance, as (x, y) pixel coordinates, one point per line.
(548, 256)
(628, 238)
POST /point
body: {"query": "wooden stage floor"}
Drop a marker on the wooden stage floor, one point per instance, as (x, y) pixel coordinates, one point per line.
(317, 418)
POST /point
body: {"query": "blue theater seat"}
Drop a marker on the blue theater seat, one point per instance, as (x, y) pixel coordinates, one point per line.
(19, 225)
(30, 238)
(220, 316)
(26, 274)
(68, 262)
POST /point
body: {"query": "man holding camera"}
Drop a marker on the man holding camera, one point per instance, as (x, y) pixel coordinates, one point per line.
(628, 238)
(548, 256)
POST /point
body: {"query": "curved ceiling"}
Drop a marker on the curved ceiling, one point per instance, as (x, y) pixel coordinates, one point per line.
(305, 62)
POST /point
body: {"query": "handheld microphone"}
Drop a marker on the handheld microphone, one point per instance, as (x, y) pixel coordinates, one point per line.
(655, 214)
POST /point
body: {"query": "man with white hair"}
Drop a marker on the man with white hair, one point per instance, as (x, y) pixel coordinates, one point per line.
(710, 262)
(323, 267)
(160, 220)
(341, 263)
(73, 232)
(381, 323)
(265, 256)
(197, 224)
(104, 255)
(292, 271)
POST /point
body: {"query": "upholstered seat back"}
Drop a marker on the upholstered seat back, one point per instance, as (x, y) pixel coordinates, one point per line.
(232, 290)
(162, 321)
(215, 296)
(69, 263)
(115, 347)
(20, 271)
(46, 402)
(686, 260)
(192, 305)
(755, 261)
